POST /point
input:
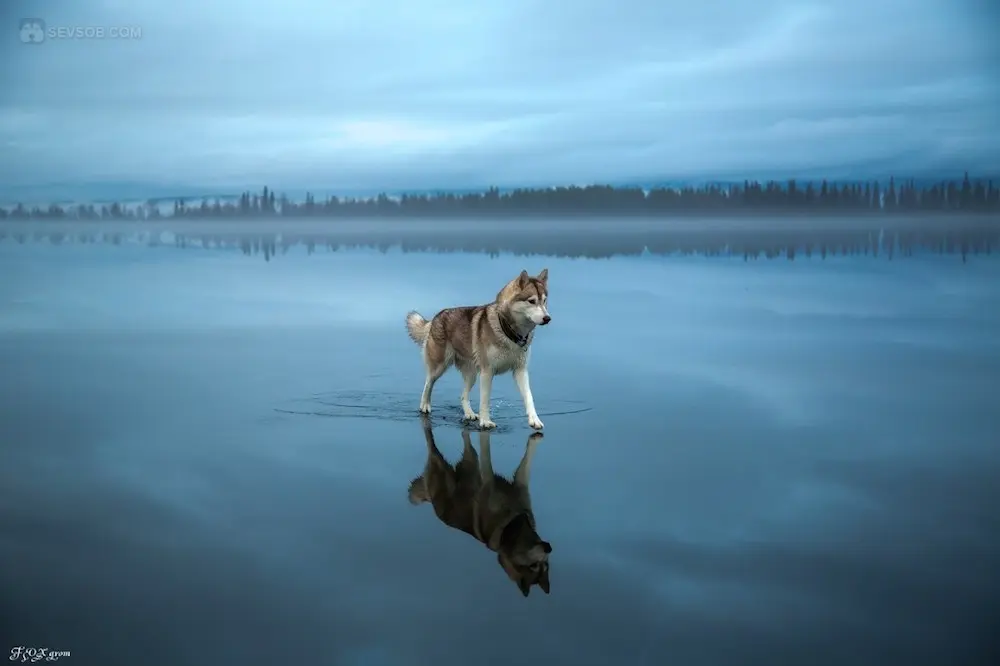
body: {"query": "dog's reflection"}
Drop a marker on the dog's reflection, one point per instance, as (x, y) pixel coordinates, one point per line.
(469, 496)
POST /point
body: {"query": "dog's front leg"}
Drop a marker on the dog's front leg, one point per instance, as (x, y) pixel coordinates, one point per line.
(485, 459)
(522, 475)
(468, 379)
(524, 386)
(485, 387)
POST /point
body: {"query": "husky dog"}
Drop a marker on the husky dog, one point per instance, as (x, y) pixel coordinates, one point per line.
(469, 496)
(483, 341)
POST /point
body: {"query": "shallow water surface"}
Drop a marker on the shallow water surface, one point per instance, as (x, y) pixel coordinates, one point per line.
(205, 459)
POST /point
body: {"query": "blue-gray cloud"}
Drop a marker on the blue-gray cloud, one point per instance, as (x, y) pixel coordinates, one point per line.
(393, 93)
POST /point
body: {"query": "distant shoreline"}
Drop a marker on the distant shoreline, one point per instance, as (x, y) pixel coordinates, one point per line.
(952, 221)
(751, 237)
(750, 199)
(753, 220)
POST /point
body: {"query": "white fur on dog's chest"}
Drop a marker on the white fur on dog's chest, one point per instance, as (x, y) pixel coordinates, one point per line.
(504, 359)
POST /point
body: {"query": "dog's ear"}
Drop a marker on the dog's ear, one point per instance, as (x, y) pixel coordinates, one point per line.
(524, 586)
(543, 580)
(522, 279)
(543, 276)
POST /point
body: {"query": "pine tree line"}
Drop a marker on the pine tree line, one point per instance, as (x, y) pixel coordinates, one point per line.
(964, 238)
(772, 197)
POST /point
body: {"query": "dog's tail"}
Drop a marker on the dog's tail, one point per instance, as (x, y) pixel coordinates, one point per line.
(417, 327)
(418, 491)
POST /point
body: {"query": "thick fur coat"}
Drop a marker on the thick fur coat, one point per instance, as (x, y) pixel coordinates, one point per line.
(483, 341)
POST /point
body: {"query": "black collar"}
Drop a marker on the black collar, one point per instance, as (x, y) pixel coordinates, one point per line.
(508, 330)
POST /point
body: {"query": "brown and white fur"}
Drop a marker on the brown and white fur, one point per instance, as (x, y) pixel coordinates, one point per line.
(469, 496)
(484, 341)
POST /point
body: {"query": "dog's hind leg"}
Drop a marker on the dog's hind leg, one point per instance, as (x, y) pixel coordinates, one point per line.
(485, 388)
(436, 362)
(433, 374)
(469, 373)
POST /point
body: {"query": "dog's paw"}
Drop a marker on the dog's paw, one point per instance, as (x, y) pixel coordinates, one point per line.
(486, 424)
(425, 409)
(536, 423)
(470, 416)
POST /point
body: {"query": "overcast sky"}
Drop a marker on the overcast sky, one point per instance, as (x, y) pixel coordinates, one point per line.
(452, 93)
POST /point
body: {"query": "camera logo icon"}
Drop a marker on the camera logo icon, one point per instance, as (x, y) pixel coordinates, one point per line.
(32, 31)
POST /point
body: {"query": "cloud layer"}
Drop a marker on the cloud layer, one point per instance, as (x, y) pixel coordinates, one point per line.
(386, 93)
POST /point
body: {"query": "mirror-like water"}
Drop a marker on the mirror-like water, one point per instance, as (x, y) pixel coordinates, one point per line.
(205, 458)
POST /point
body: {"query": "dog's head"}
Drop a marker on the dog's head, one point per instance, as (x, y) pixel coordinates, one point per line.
(527, 297)
(524, 556)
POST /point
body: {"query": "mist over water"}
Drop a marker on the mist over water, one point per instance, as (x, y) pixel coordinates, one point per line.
(204, 457)
(750, 237)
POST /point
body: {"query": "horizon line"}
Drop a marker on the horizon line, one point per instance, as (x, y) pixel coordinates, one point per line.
(646, 185)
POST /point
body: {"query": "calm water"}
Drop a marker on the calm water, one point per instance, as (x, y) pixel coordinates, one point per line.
(205, 459)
